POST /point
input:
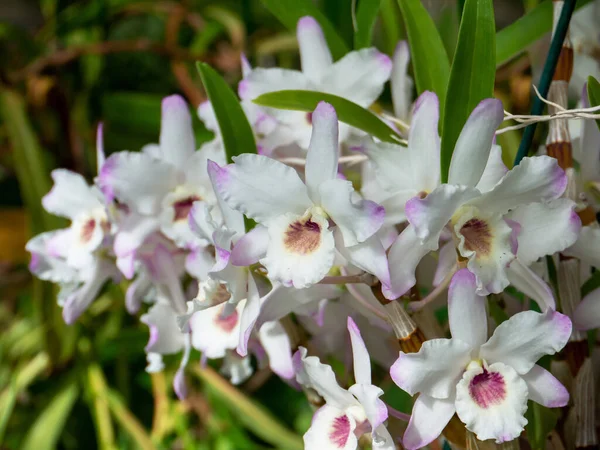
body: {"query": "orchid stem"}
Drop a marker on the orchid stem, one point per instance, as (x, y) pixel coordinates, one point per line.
(398, 414)
(416, 306)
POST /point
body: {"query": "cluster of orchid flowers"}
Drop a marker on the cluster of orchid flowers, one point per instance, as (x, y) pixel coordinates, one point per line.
(173, 213)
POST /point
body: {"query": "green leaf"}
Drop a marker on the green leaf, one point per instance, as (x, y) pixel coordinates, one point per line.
(19, 382)
(347, 111)
(237, 133)
(31, 168)
(593, 91)
(391, 24)
(541, 421)
(128, 421)
(254, 416)
(516, 37)
(46, 430)
(472, 74)
(290, 11)
(429, 58)
(100, 412)
(366, 15)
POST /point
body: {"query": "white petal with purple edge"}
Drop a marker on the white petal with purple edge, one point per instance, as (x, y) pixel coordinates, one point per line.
(428, 419)
(430, 215)
(311, 373)
(404, 256)
(261, 188)
(165, 337)
(357, 220)
(424, 143)
(535, 179)
(466, 310)
(359, 76)
(276, 343)
(214, 334)
(322, 156)
(251, 247)
(434, 370)
(494, 170)
(177, 143)
(71, 195)
(531, 284)
(138, 180)
(472, 150)
(368, 396)
(546, 228)
(402, 83)
(526, 337)
(545, 389)
(360, 355)
(446, 261)
(587, 246)
(314, 54)
(587, 314)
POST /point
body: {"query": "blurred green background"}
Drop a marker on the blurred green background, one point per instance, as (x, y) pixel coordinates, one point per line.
(64, 67)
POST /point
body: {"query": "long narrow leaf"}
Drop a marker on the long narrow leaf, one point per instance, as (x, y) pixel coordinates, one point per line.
(20, 380)
(128, 421)
(237, 133)
(472, 74)
(366, 15)
(515, 38)
(429, 58)
(252, 415)
(32, 172)
(46, 430)
(101, 413)
(289, 11)
(347, 111)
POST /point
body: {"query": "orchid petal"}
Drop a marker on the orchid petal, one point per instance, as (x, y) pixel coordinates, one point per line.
(434, 370)
(402, 83)
(545, 389)
(362, 362)
(587, 246)
(494, 170)
(466, 310)
(251, 247)
(546, 228)
(276, 343)
(404, 256)
(430, 215)
(526, 337)
(322, 156)
(138, 180)
(427, 421)
(472, 150)
(587, 314)
(368, 396)
(311, 373)
(531, 284)
(165, 337)
(535, 179)
(315, 56)
(446, 261)
(357, 220)
(260, 187)
(71, 195)
(424, 143)
(331, 429)
(177, 142)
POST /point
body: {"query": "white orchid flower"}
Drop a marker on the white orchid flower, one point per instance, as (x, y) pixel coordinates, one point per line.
(487, 382)
(296, 239)
(347, 414)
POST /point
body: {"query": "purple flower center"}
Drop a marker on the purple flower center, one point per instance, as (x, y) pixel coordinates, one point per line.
(487, 389)
(228, 323)
(303, 237)
(340, 431)
(477, 236)
(182, 207)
